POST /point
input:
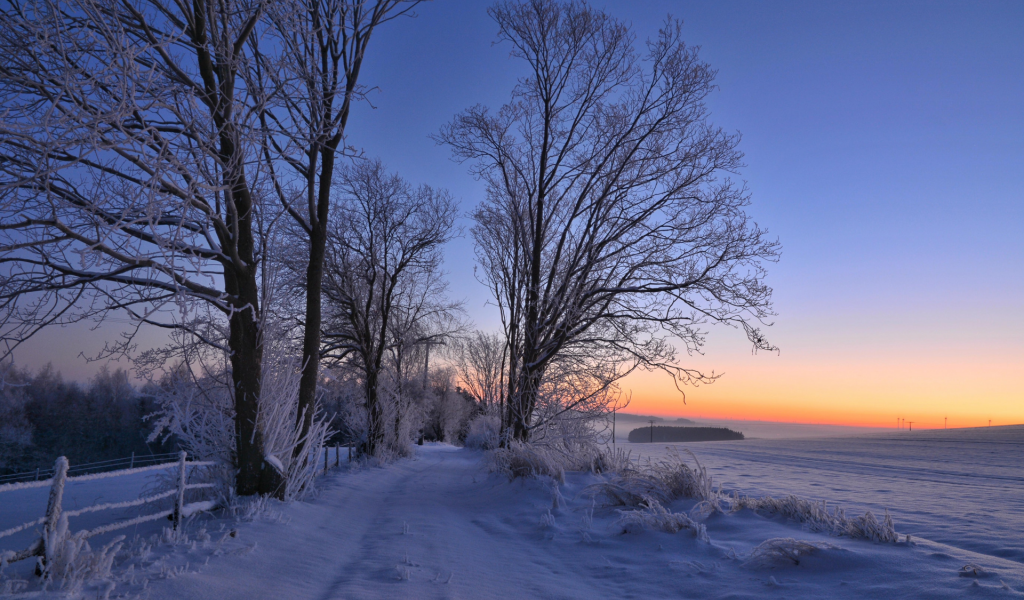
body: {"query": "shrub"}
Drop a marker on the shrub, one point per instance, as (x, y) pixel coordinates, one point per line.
(483, 432)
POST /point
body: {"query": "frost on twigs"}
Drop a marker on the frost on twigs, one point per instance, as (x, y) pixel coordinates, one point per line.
(781, 552)
(74, 562)
(199, 414)
(654, 516)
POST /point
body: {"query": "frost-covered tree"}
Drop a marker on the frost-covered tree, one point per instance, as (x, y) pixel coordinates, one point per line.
(610, 225)
(308, 80)
(383, 283)
(147, 151)
(127, 180)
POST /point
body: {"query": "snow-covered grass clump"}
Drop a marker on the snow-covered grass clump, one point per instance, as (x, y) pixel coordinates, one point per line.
(817, 517)
(663, 481)
(654, 516)
(655, 484)
(781, 552)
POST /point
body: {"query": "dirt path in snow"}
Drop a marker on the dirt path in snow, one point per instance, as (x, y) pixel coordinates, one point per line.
(423, 528)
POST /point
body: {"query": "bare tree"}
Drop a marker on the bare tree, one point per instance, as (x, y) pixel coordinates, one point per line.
(125, 157)
(610, 225)
(383, 282)
(309, 83)
(480, 367)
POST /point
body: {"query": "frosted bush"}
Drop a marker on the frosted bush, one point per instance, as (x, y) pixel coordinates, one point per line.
(518, 459)
(573, 448)
(296, 458)
(483, 432)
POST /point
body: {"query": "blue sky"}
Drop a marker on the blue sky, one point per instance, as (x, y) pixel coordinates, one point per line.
(884, 146)
(883, 141)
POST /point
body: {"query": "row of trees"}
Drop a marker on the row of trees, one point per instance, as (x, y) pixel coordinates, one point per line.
(186, 164)
(42, 416)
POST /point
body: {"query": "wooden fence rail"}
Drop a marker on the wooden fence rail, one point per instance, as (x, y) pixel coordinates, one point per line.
(47, 544)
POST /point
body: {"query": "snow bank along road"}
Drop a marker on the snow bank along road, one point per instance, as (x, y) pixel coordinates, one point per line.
(440, 526)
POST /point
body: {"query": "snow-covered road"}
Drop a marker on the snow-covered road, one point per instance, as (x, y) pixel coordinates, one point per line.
(440, 526)
(432, 526)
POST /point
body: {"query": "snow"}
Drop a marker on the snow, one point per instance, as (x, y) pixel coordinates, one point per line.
(440, 525)
(24, 505)
(962, 487)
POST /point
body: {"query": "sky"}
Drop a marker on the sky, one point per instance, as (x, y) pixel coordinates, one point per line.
(884, 145)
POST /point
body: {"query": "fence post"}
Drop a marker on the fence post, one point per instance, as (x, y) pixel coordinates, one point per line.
(337, 456)
(132, 464)
(326, 451)
(179, 499)
(53, 509)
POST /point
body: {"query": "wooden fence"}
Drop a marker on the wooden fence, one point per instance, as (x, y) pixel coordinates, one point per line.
(46, 545)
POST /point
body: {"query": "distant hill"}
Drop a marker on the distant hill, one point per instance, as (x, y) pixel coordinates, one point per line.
(661, 433)
(628, 417)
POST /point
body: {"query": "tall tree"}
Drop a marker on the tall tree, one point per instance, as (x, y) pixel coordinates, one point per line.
(383, 282)
(126, 179)
(610, 224)
(309, 84)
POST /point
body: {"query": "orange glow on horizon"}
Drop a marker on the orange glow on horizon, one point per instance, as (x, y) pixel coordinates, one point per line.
(858, 393)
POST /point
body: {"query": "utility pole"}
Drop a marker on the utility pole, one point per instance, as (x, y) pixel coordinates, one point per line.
(426, 363)
(613, 429)
(945, 422)
(911, 423)
(652, 429)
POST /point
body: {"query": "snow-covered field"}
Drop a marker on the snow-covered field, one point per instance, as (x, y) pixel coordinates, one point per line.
(963, 487)
(440, 525)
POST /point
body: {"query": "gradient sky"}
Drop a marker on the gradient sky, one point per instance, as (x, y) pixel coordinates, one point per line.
(885, 148)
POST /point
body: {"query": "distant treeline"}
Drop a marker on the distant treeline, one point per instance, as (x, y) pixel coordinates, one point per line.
(661, 433)
(43, 417)
(627, 417)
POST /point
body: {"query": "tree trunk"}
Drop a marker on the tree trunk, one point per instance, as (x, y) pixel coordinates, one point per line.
(246, 344)
(311, 335)
(246, 371)
(375, 417)
(522, 405)
(314, 289)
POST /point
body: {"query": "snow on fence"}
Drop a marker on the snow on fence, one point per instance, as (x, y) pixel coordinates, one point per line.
(55, 520)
